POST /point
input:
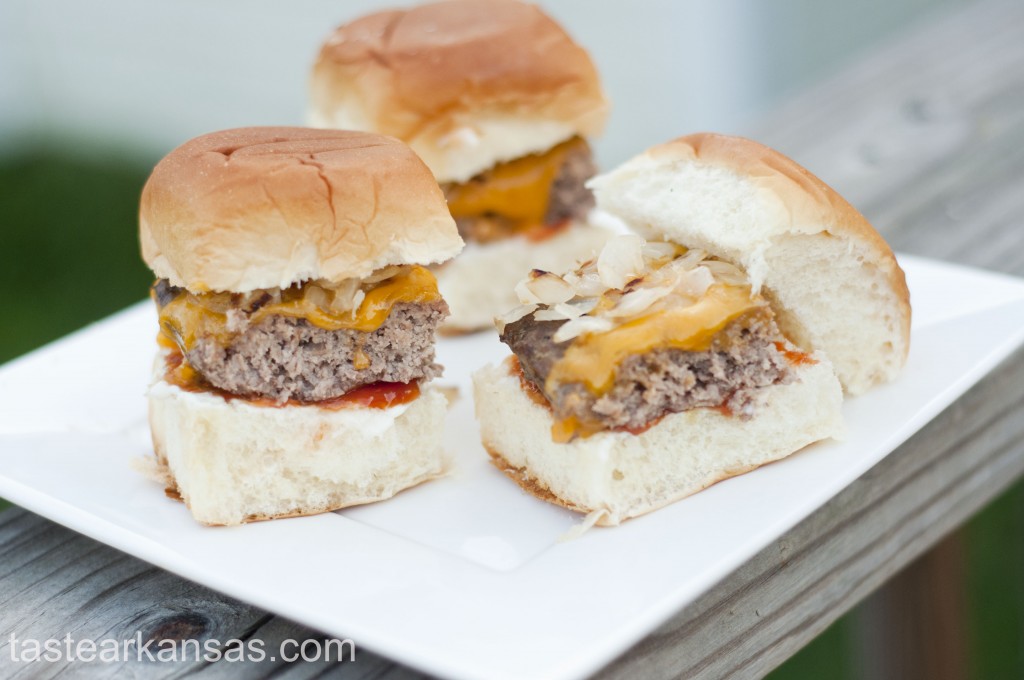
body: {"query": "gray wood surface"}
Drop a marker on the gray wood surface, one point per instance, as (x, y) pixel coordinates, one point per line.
(926, 136)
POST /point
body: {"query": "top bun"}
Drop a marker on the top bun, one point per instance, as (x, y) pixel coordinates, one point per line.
(466, 83)
(267, 207)
(832, 279)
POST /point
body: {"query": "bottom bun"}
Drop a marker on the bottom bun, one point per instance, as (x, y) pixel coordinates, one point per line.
(233, 462)
(624, 475)
(479, 284)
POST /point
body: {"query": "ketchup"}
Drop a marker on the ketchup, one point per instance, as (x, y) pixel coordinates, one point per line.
(794, 357)
(374, 395)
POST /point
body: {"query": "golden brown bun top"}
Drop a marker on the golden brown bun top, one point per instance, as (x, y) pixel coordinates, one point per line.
(266, 207)
(424, 73)
(832, 278)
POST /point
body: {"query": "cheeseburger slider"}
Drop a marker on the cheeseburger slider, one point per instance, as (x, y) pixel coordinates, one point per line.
(722, 343)
(297, 320)
(498, 100)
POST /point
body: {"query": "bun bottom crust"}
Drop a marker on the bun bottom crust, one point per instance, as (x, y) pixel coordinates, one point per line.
(480, 282)
(231, 462)
(624, 475)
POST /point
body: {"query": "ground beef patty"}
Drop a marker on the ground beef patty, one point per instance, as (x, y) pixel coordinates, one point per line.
(647, 386)
(569, 199)
(287, 358)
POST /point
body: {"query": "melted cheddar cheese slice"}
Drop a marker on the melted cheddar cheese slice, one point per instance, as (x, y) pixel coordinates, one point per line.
(593, 359)
(186, 317)
(518, 190)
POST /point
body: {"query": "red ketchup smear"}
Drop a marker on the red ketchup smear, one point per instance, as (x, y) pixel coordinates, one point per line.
(375, 395)
(640, 429)
(794, 357)
(723, 409)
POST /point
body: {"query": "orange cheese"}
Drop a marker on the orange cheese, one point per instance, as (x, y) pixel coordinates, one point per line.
(415, 285)
(187, 317)
(593, 359)
(518, 190)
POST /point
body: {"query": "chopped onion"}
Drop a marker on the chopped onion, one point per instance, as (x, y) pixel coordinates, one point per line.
(563, 311)
(344, 295)
(725, 272)
(583, 305)
(621, 260)
(659, 250)
(583, 325)
(638, 301)
(690, 259)
(384, 273)
(316, 295)
(357, 300)
(589, 284)
(695, 282)
(512, 316)
(547, 288)
(550, 314)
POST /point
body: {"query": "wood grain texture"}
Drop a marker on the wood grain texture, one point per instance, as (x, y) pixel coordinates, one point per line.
(926, 136)
(54, 581)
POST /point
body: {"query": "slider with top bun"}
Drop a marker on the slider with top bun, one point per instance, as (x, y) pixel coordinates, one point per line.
(297, 318)
(721, 344)
(498, 101)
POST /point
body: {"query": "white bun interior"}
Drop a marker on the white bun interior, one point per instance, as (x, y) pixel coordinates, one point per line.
(832, 279)
(234, 462)
(626, 475)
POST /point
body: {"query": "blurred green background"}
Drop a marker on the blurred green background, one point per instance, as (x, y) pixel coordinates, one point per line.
(70, 256)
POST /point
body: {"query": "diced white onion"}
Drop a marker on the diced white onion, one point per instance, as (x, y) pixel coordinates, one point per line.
(621, 260)
(316, 295)
(589, 285)
(548, 289)
(690, 259)
(512, 316)
(357, 300)
(584, 324)
(550, 314)
(583, 305)
(384, 273)
(526, 295)
(725, 272)
(695, 282)
(658, 250)
(638, 301)
(344, 295)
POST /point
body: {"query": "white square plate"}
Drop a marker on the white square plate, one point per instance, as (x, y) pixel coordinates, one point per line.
(465, 576)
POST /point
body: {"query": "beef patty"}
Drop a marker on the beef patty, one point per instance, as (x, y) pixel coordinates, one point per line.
(283, 357)
(647, 386)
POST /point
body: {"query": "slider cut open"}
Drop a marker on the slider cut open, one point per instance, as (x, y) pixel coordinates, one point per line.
(722, 343)
(637, 378)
